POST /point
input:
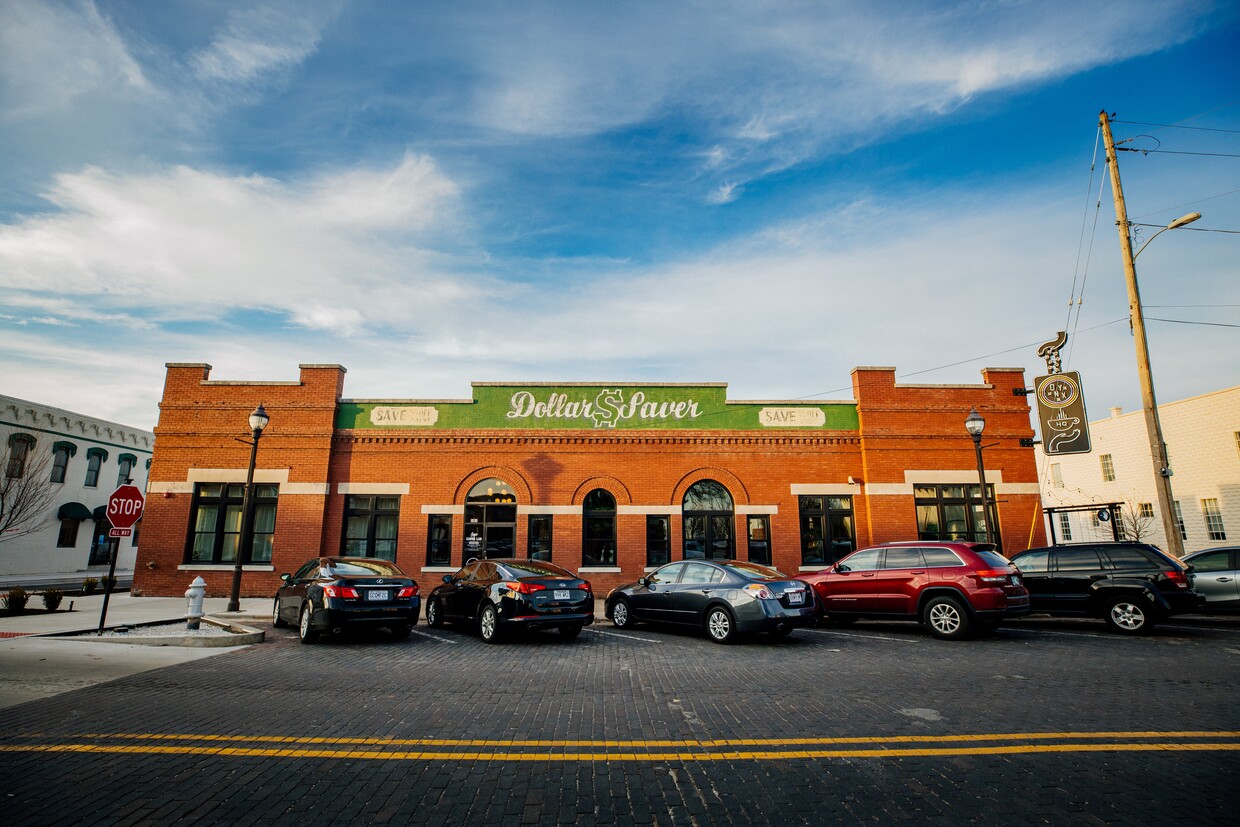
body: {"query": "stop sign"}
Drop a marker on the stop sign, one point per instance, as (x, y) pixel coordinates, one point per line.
(125, 507)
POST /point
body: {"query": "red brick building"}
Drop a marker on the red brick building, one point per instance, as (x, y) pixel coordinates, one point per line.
(607, 480)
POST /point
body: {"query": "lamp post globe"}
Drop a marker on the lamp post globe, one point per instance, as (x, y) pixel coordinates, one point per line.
(258, 421)
(975, 423)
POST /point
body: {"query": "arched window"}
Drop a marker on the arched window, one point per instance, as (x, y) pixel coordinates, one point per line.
(598, 537)
(708, 522)
(126, 463)
(490, 520)
(20, 446)
(61, 452)
(95, 458)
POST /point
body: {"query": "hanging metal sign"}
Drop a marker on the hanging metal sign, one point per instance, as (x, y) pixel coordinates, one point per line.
(1061, 414)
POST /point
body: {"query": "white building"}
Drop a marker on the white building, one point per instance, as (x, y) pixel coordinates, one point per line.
(1203, 445)
(68, 464)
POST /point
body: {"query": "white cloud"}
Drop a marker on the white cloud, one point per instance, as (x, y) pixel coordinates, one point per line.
(262, 41)
(339, 251)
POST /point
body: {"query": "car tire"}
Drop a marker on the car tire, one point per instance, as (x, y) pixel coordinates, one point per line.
(276, 621)
(434, 615)
(305, 629)
(946, 618)
(488, 624)
(622, 614)
(720, 625)
(570, 632)
(401, 631)
(1126, 616)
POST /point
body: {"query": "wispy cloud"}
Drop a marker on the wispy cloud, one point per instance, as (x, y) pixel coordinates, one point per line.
(261, 42)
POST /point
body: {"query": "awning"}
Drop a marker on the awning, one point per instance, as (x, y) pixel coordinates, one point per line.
(100, 514)
(74, 511)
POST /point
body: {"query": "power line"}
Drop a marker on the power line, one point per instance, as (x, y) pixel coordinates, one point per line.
(1176, 152)
(1182, 321)
(1176, 126)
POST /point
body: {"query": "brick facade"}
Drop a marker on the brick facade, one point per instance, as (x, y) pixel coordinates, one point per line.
(903, 435)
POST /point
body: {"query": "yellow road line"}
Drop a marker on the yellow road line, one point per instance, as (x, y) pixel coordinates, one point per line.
(731, 755)
(640, 744)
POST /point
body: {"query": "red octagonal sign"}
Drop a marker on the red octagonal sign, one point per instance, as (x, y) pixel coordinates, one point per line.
(124, 509)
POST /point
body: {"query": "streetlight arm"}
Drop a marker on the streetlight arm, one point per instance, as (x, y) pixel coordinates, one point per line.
(1174, 225)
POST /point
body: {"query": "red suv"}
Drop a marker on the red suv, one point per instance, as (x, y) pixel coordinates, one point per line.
(953, 588)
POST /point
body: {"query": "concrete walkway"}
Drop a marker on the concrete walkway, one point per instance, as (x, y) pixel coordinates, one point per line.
(35, 663)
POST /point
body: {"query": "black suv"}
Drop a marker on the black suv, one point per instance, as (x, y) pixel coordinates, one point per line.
(1129, 585)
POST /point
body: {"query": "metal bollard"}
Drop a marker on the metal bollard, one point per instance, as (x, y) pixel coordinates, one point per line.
(193, 597)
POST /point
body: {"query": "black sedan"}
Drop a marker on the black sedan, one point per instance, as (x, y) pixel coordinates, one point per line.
(499, 595)
(724, 597)
(331, 594)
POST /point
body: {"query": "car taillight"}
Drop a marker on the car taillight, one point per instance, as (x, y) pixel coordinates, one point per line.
(340, 591)
(759, 591)
(408, 591)
(992, 575)
(1177, 577)
(585, 586)
(523, 588)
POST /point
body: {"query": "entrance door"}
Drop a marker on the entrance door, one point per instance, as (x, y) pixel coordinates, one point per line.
(490, 520)
(707, 518)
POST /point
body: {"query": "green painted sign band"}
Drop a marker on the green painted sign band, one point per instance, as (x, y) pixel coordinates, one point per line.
(597, 407)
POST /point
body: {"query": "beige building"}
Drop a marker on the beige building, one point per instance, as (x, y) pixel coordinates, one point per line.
(1203, 444)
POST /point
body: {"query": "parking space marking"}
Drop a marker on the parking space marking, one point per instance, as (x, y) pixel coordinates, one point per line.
(627, 637)
(866, 637)
(433, 637)
(1094, 635)
(685, 751)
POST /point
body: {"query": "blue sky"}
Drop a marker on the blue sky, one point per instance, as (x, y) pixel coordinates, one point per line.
(766, 194)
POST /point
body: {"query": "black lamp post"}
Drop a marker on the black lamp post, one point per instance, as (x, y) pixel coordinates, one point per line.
(258, 421)
(975, 424)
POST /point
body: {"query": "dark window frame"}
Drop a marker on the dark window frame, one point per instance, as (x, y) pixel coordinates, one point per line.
(970, 501)
(765, 521)
(377, 510)
(705, 500)
(18, 456)
(819, 514)
(658, 549)
(95, 458)
(125, 465)
(539, 537)
(438, 540)
(67, 538)
(598, 529)
(62, 452)
(232, 495)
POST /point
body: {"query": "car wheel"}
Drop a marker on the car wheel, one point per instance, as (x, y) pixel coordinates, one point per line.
(276, 620)
(842, 620)
(946, 618)
(570, 632)
(305, 630)
(1127, 617)
(720, 625)
(434, 618)
(488, 624)
(621, 614)
(401, 631)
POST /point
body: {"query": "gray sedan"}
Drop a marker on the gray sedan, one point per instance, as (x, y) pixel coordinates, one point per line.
(1215, 576)
(724, 597)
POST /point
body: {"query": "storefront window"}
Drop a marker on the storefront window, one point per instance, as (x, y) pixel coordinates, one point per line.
(658, 539)
(215, 528)
(708, 522)
(490, 520)
(760, 539)
(439, 540)
(539, 536)
(954, 512)
(826, 529)
(370, 526)
(598, 513)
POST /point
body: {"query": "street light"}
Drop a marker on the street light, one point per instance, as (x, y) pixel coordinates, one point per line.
(975, 424)
(258, 421)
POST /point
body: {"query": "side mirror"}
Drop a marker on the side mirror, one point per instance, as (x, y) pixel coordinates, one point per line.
(447, 578)
(286, 577)
(840, 567)
(643, 581)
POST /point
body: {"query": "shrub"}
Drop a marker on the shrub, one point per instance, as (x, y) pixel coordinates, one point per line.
(89, 585)
(15, 599)
(109, 583)
(52, 598)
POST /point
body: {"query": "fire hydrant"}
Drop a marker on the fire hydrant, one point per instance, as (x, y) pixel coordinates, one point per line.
(193, 598)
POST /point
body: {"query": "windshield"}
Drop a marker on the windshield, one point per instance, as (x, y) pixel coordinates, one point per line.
(994, 558)
(365, 568)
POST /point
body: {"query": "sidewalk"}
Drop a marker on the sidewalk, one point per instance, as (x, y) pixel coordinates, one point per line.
(35, 664)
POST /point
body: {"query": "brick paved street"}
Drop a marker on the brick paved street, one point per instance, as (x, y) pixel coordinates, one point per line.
(875, 723)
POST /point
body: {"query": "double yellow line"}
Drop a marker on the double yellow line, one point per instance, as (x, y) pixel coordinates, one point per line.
(686, 750)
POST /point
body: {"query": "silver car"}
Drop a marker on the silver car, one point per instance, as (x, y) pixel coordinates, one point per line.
(1215, 575)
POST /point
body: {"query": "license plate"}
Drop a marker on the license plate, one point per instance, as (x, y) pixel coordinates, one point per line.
(796, 597)
(376, 594)
(560, 594)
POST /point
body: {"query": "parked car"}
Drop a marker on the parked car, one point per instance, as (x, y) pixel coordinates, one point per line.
(724, 597)
(332, 594)
(1130, 585)
(954, 589)
(1216, 575)
(501, 595)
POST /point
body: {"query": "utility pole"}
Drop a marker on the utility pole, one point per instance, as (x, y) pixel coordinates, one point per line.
(1153, 428)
